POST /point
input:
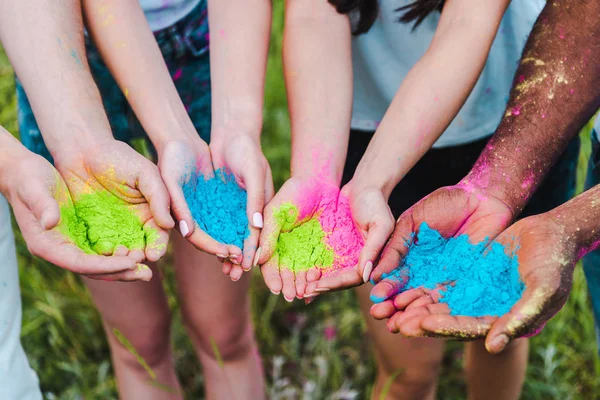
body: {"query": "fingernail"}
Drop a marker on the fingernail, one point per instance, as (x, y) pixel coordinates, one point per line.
(288, 300)
(499, 343)
(256, 257)
(367, 271)
(257, 220)
(183, 228)
(308, 301)
(44, 220)
(310, 296)
(322, 289)
(274, 292)
(235, 279)
(223, 255)
(235, 258)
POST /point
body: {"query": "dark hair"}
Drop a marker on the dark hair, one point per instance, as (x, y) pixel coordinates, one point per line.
(367, 11)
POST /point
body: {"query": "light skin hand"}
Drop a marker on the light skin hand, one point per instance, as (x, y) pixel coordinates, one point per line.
(114, 167)
(35, 190)
(242, 156)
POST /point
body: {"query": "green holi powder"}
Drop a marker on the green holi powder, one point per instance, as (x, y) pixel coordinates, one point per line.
(99, 222)
(303, 247)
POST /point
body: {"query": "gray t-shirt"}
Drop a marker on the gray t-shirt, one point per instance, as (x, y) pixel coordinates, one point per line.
(164, 13)
(383, 56)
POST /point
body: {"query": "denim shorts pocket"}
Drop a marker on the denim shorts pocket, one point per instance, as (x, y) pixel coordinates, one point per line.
(195, 33)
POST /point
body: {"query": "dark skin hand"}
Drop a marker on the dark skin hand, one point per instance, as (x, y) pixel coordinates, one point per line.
(553, 96)
(548, 247)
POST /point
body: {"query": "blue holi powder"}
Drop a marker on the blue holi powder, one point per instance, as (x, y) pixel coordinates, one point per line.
(485, 281)
(218, 205)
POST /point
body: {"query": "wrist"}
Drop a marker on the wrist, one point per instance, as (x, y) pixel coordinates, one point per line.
(11, 156)
(370, 175)
(230, 119)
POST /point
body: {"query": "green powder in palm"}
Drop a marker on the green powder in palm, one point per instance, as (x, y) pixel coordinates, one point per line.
(99, 222)
(302, 247)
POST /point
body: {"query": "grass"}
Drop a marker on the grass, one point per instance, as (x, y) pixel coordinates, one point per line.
(63, 336)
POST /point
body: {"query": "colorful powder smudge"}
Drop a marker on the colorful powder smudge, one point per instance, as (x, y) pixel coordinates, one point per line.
(480, 280)
(218, 205)
(327, 240)
(98, 222)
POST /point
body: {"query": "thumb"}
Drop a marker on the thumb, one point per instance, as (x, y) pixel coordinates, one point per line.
(41, 203)
(254, 180)
(377, 235)
(269, 235)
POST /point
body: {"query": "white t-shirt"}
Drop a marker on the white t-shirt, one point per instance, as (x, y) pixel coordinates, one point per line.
(383, 56)
(164, 13)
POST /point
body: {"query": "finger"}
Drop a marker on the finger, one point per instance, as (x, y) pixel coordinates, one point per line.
(342, 280)
(227, 265)
(41, 203)
(404, 299)
(152, 187)
(140, 273)
(254, 181)
(420, 302)
(236, 272)
(301, 284)
(383, 310)
(269, 188)
(526, 316)
(270, 273)
(377, 235)
(204, 242)
(121, 251)
(397, 247)
(456, 327)
(157, 240)
(391, 323)
(235, 254)
(269, 234)
(389, 287)
(289, 285)
(250, 250)
(313, 275)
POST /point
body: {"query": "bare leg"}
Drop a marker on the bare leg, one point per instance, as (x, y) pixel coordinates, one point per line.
(139, 311)
(417, 361)
(498, 377)
(216, 312)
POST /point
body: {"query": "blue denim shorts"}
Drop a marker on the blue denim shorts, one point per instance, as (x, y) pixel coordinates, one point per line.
(591, 262)
(185, 48)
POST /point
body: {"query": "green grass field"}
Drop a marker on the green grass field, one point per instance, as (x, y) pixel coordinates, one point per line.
(63, 336)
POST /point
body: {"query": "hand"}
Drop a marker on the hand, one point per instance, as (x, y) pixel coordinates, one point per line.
(35, 190)
(546, 263)
(374, 222)
(115, 173)
(242, 156)
(294, 206)
(178, 161)
(452, 211)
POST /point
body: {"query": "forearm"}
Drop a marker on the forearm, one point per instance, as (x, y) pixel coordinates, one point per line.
(11, 151)
(581, 219)
(318, 76)
(239, 44)
(555, 93)
(121, 33)
(44, 42)
(432, 93)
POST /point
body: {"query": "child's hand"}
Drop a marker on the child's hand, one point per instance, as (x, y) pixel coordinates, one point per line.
(546, 262)
(115, 173)
(35, 190)
(177, 162)
(242, 156)
(452, 211)
(294, 206)
(375, 223)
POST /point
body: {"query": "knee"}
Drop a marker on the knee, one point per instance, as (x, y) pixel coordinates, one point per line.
(417, 381)
(227, 340)
(150, 343)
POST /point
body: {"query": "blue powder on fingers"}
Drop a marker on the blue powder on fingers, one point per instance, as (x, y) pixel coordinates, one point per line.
(479, 280)
(218, 205)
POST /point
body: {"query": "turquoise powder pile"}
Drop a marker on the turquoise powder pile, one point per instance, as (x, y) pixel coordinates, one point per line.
(218, 205)
(484, 281)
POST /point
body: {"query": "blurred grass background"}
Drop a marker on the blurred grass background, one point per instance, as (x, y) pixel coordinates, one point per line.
(317, 352)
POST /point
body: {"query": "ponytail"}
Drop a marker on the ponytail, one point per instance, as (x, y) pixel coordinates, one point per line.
(368, 10)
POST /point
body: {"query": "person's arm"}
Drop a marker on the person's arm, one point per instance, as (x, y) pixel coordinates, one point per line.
(239, 45)
(36, 192)
(45, 44)
(554, 94)
(318, 76)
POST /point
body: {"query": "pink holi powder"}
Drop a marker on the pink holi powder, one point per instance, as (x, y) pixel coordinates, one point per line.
(177, 74)
(516, 110)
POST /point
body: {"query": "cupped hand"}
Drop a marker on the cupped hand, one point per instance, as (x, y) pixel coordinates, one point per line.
(374, 221)
(546, 258)
(178, 161)
(120, 176)
(452, 211)
(242, 156)
(35, 190)
(295, 204)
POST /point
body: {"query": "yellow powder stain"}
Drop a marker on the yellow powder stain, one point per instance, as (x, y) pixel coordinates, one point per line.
(526, 85)
(536, 61)
(126, 92)
(120, 45)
